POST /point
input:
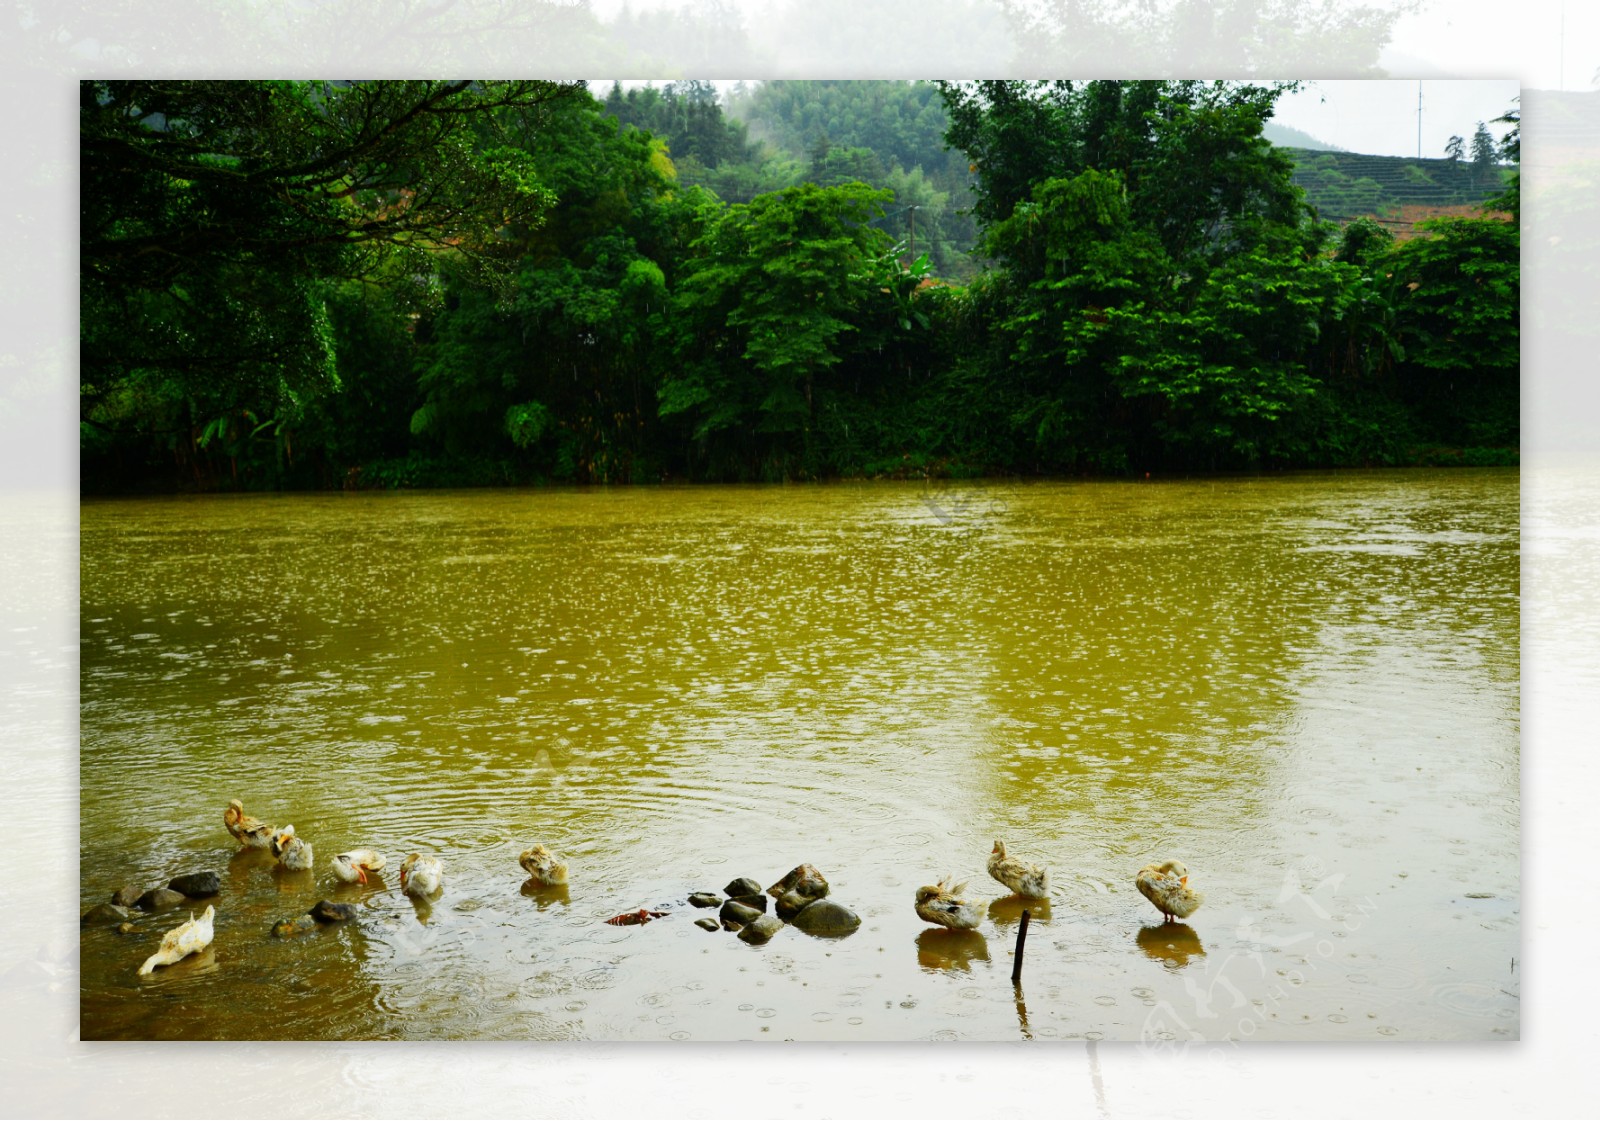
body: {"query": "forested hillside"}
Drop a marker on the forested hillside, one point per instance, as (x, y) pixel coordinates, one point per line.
(298, 284)
(1346, 185)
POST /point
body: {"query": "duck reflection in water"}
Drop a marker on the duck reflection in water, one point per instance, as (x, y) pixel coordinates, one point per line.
(423, 906)
(951, 949)
(1171, 943)
(291, 882)
(1007, 910)
(245, 861)
(547, 897)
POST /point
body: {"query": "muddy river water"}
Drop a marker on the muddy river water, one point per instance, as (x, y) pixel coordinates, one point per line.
(1305, 688)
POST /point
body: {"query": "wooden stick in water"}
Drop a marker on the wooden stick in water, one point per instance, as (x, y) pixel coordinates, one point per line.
(1022, 937)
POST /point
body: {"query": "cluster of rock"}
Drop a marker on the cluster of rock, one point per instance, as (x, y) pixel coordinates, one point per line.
(126, 900)
(800, 902)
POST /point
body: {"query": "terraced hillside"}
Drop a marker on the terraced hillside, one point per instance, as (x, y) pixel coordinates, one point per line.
(1396, 190)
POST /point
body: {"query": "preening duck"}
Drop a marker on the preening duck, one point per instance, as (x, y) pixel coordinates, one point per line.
(421, 876)
(543, 869)
(294, 854)
(1167, 886)
(250, 832)
(1018, 875)
(354, 865)
(942, 905)
(181, 941)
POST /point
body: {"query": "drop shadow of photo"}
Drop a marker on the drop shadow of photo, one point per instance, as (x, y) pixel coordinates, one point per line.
(1007, 910)
(951, 949)
(546, 897)
(1173, 943)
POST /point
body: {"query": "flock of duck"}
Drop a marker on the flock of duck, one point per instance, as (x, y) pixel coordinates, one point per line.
(421, 875)
(1166, 884)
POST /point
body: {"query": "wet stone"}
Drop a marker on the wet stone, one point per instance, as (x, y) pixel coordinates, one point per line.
(754, 902)
(735, 911)
(705, 899)
(744, 885)
(125, 897)
(159, 897)
(729, 924)
(791, 904)
(126, 928)
(708, 924)
(105, 913)
(827, 918)
(803, 879)
(196, 885)
(325, 911)
(288, 928)
(761, 930)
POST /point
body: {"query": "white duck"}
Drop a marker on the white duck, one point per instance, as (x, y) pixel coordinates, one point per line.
(250, 832)
(294, 854)
(1018, 875)
(941, 905)
(1167, 886)
(543, 869)
(421, 876)
(354, 865)
(181, 941)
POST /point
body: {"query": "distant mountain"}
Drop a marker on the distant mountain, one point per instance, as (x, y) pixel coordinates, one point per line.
(1285, 137)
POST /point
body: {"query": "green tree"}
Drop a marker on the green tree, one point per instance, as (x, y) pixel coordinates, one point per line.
(760, 313)
(1510, 199)
(1459, 324)
(215, 215)
(1162, 295)
(1484, 148)
(554, 373)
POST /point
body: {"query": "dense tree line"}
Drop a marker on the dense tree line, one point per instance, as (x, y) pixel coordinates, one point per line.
(452, 283)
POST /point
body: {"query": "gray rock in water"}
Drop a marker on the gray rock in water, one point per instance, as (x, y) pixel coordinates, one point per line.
(791, 904)
(196, 885)
(288, 928)
(105, 912)
(325, 911)
(827, 918)
(804, 879)
(708, 924)
(735, 911)
(125, 897)
(744, 885)
(705, 899)
(126, 928)
(729, 924)
(159, 897)
(761, 930)
(754, 902)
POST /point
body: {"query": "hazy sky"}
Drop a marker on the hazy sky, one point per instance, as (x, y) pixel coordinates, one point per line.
(1545, 44)
(1538, 44)
(1471, 55)
(1380, 117)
